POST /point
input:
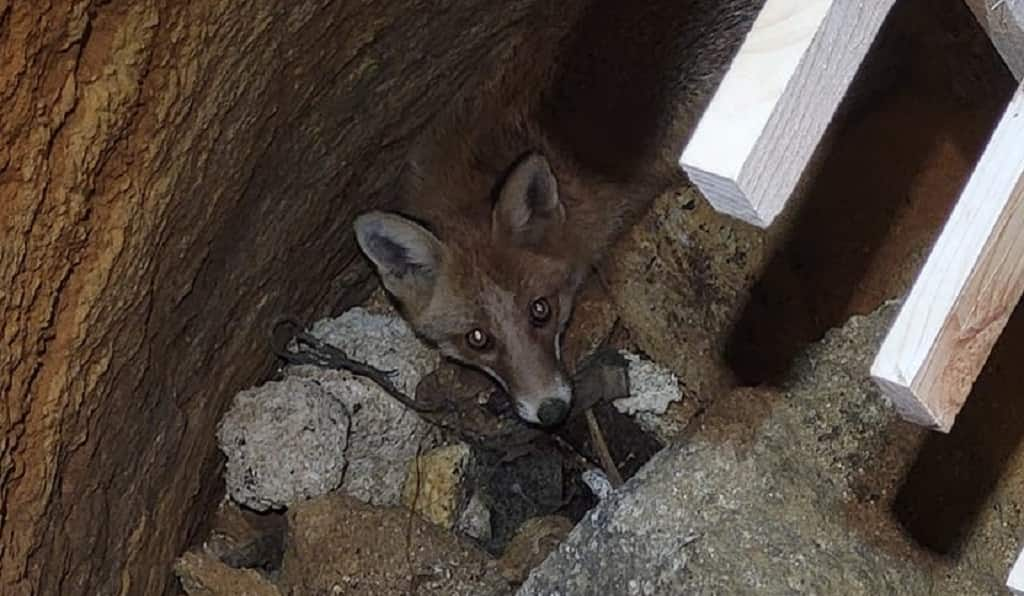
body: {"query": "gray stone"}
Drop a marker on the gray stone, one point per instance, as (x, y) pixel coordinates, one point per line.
(284, 441)
(652, 387)
(753, 502)
(385, 436)
(380, 337)
(475, 520)
(597, 482)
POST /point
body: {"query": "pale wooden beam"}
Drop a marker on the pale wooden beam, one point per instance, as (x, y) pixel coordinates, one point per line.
(1004, 22)
(1016, 580)
(966, 291)
(776, 100)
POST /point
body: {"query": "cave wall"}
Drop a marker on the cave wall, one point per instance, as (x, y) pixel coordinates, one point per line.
(174, 176)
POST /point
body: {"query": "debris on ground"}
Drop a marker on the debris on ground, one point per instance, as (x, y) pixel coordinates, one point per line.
(385, 435)
(284, 441)
(340, 545)
(475, 520)
(753, 512)
(534, 541)
(520, 489)
(204, 575)
(509, 487)
(241, 538)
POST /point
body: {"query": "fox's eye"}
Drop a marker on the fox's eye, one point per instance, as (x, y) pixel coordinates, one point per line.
(540, 311)
(478, 339)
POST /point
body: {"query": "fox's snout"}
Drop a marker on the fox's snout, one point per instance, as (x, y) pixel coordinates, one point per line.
(545, 408)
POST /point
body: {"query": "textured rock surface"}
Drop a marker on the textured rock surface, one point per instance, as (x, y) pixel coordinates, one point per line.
(174, 176)
(757, 512)
(679, 279)
(284, 441)
(384, 435)
(339, 545)
(652, 388)
(241, 538)
(534, 541)
(380, 338)
(475, 520)
(202, 575)
(435, 486)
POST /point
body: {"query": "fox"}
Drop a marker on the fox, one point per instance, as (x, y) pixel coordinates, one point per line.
(518, 190)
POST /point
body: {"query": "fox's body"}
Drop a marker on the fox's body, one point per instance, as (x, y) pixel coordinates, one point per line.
(531, 176)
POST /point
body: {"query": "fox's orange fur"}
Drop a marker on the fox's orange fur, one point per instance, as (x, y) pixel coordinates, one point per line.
(529, 177)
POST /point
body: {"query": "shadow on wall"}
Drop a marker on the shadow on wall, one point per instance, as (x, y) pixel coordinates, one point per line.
(884, 185)
(954, 475)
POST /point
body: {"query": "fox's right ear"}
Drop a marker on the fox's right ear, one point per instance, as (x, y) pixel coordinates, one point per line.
(407, 256)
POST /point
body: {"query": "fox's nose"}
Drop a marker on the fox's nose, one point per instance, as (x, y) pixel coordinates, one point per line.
(552, 411)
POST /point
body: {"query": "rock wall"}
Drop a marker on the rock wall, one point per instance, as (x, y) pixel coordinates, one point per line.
(174, 176)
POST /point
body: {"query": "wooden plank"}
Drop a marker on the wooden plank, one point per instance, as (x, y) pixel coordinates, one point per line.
(966, 291)
(776, 100)
(1016, 579)
(1004, 22)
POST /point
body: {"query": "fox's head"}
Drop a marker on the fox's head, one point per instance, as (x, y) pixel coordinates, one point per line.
(490, 289)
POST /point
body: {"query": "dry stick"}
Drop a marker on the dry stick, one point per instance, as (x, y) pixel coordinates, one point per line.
(602, 450)
(413, 577)
(311, 350)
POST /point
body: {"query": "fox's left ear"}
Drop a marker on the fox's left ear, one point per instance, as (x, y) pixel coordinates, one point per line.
(528, 206)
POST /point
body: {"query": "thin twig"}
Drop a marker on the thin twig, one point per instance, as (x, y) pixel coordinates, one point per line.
(311, 350)
(602, 450)
(413, 576)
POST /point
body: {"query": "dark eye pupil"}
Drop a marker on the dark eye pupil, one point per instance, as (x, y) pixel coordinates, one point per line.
(540, 310)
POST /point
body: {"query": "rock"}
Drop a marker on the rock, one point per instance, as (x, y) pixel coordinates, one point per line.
(340, 545)
(240, 538)
(380, 338)
(679, 280)
(523, 488)
(475, 520)
(435, 485)
(652, 387)
(284, 441)
(534, 541)
(203, 575)
(384, 434)
(598, 483)
(742, 506)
